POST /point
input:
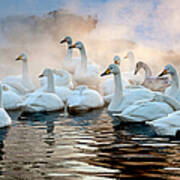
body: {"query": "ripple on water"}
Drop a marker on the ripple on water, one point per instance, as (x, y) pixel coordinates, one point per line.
(88, 146)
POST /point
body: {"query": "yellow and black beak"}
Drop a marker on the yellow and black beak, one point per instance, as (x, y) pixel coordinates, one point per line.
(19, 58)
(107, 72)
(41, 75)
(72, 46)
(63, 41)
(163, 73)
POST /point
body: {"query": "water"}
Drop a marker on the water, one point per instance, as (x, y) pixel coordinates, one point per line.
(89, 146)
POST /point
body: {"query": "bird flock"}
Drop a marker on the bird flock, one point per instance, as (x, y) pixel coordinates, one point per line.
(80, 87)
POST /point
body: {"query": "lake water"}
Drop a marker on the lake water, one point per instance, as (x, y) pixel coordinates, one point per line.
(90, 146)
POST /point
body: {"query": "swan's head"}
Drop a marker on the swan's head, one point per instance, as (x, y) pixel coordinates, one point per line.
(138, 67)
(117, 60)
(78, 45)
(129, 55)
(112, 69)
(168, 69)
(22, 57)
(46, 72)
(67, 39)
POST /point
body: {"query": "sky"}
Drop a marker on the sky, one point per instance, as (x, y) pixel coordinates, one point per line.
(152, 22)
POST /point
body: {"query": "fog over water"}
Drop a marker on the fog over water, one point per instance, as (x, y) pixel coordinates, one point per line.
(148, 28)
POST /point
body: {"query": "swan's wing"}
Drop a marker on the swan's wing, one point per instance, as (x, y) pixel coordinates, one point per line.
(5, 119)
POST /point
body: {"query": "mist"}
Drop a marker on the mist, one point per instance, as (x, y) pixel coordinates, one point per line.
(148, 28)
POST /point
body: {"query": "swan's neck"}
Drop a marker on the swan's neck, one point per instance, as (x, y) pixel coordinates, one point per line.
(1, 98)
(118, 93)
(83, 58)
(50, 83)
(147, 70)
(69, 54)
(175, 82)
(132, 64)
(25, 72)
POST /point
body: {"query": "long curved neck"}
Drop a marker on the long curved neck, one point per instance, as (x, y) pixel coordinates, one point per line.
(118, 92)
(50, 83)
(1, 98)
(175, 81)
(147, 70)
(69, 54)
(25, 71)
(132, 63)
(83, 58)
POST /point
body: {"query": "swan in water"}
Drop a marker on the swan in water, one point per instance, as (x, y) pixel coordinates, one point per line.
(61, 78)
(174, 89)
(20, 84)
(43, 101)
(154, 83)
(5, 119)
(119, 101)
(70, 64)
(129, 76)
(86, 74)
(10, 99)
(167, 126)
(84, 99)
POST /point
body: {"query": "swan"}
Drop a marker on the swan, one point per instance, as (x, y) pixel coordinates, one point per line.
(85, 74)
(129, 76)
(5, 119)
(21, 84)
(174, 89)
(70, 64)
(167, 126)
(147, 110)
(61, 78)
(84, 99)
(154, 83)
(119, 101)
(43, 101)
(10, 99)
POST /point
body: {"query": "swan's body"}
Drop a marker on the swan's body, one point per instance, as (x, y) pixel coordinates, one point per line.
(43, 101)
(11, 100)
(174, 89)
(5, 119)
(84, 99)
(70, 64)
(119, 101)
(154, 83)
(85, 74)
(61, 78)
(168, 125)
(21, 84)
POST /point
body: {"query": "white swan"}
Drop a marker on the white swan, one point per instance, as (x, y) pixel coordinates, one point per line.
(5, 119)
(22, 83)
(61, 78)
(84, 99)
(174, 89)
(154, 83)
(86, 74)
(11, 100)
(70, 64)
(43, 101)
(119, 101)
(129, 76)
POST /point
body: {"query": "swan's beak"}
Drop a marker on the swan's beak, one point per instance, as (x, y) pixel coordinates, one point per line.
(63, 41)
(19, 58)
(116, 62)
(41, 75)
(135, 72)
(108, 71)
(163, 73)
(125, 57)
(72, 46)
